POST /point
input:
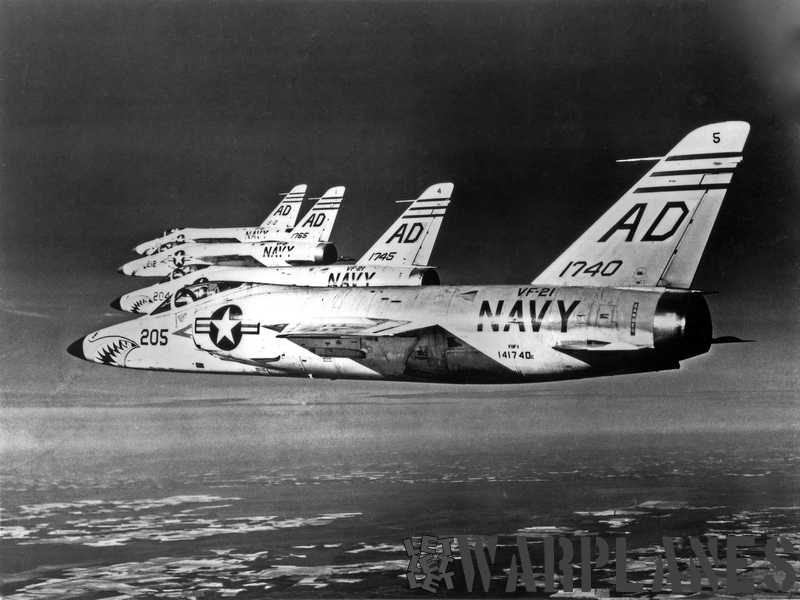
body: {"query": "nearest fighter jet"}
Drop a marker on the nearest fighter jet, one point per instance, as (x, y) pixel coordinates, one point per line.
(305, 244)
(399, 257)
(277, 225)
(618, 300)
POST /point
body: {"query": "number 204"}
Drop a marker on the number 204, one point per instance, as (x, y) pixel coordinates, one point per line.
(153, 337)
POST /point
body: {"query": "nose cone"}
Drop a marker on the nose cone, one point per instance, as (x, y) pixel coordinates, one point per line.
(76, 348)
(128, 268)
(109, 346)
(116, 304)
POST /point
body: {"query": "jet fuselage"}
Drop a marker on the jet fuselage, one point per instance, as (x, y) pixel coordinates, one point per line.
(476, 334)
(144, 300)
(260, 254)
(214, 235)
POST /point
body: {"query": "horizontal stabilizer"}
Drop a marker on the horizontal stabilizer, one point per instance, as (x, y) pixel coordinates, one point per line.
(730, 339)
(617, 356)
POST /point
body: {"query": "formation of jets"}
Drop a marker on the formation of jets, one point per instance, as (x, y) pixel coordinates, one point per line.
(288, 253)
(274, 299)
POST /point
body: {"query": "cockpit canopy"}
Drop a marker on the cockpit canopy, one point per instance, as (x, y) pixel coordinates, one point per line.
(172, 240)
(199, 290)
(180, 272)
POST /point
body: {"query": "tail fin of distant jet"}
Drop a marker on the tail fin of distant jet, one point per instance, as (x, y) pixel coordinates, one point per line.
(656, 233)
(285, 214)
(317, 224)
(410, 239)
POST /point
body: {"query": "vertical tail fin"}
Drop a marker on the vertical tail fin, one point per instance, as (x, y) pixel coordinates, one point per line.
(410, 239)
(656, 233)
(317, 224)
(284, 216)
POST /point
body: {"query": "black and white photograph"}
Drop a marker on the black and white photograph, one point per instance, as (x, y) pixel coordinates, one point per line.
(399, 299)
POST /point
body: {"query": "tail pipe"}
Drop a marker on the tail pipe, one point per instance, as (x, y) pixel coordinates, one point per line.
(321, 254)
(325, 254)
(426, 275)
(682, 325)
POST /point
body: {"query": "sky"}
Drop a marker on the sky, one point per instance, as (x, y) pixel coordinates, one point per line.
(118, 120)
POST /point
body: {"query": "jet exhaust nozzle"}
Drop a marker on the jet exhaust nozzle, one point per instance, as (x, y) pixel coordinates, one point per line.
(321, 254)
(682, 325)
(326, 254)
(426, 275)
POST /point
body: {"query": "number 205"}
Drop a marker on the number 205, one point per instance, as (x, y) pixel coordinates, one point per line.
(153, 337)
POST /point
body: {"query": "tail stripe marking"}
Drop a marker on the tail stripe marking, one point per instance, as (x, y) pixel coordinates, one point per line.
(694, 172)
(712, 155)
(681, 188)
(421, 208)
(443, 204)
(422, 216)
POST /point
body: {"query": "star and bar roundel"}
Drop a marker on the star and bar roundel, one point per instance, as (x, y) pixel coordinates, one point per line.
(225, 327)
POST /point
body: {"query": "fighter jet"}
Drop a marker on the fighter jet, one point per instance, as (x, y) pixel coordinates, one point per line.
(276, 226)
(306, 244)
(618, 300)
(401, 256)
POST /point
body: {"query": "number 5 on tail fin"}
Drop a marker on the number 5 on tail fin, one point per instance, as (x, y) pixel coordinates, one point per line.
(410, 239)
(656, 233)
